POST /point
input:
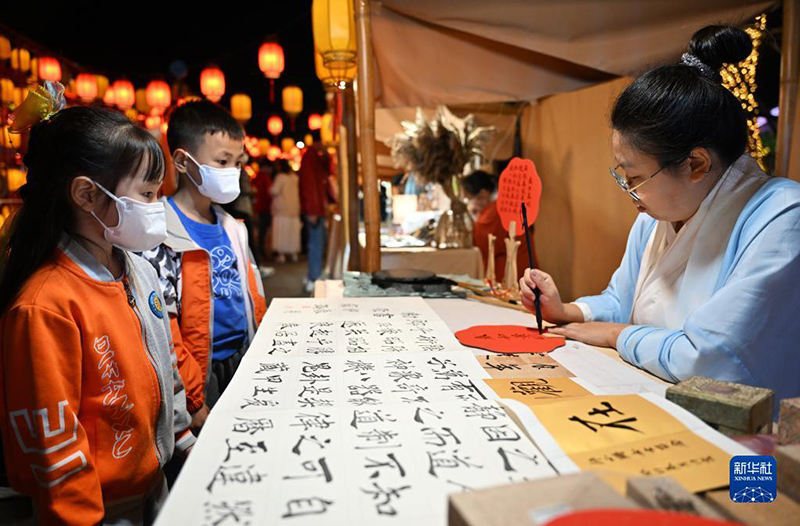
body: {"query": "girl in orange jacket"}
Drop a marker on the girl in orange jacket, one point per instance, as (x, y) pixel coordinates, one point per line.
(91, 404)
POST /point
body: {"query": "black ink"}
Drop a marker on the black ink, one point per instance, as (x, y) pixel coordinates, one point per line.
(252, 425)
(436, 460)
(317, 469)
(618, 424)
(223, 512)
(235, 475)
(368, 416)
(484, 412)
(244, 447)
(535, 387)
(427, 410)
(382, 438)
(392, 463)
(309, 506)
(311, 438)
(439, 438)
(500, 433)
(504, 454)
(385, 495)
(313, 421)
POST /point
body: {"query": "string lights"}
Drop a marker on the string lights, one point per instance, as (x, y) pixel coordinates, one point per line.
(740, 79)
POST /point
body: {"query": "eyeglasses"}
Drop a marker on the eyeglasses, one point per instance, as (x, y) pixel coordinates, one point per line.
(623, 183)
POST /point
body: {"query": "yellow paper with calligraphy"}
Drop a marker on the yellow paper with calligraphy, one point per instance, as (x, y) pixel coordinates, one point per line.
(628, 435)
(536, 390)
(522, 366)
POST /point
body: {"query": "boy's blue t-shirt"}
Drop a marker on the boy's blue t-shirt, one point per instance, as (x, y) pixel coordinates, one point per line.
(230, 317)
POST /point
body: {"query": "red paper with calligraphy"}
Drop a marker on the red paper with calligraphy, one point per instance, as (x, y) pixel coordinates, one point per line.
(508, 339)
(519, 183)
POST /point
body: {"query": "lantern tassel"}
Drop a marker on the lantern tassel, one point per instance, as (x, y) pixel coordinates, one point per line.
(271, 91)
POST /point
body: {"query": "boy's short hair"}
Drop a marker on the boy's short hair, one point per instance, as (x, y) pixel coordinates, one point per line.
(189, 122)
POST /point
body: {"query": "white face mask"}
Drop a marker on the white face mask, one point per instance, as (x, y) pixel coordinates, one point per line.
(141, 226)
(221, 185)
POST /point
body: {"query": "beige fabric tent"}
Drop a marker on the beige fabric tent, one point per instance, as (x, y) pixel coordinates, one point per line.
(569, 59)
(443, 51)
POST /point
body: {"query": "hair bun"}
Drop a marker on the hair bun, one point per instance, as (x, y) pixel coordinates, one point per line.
(718, 45)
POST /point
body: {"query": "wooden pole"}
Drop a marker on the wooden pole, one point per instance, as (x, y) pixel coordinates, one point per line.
(333, 99)
(790, 64)
(344, 199)
(353, 210)
(366, 121)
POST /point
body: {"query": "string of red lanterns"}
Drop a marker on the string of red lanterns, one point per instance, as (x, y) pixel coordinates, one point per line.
(148, 105)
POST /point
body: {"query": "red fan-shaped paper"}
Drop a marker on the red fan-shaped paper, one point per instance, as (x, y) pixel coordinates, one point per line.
(634, 518)
(508, 339)
(519, 183)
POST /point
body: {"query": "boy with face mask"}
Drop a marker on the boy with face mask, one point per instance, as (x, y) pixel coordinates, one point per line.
(212, 292)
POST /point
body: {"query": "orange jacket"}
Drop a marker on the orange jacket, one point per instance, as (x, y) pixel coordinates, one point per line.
(88, 384)
(184, 269)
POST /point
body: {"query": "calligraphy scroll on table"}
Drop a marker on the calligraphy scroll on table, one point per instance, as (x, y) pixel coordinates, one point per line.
(392, 464)
(303, 326)
(351, 411)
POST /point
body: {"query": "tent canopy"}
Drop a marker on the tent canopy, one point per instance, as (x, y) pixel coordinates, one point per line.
(432, 52)
(472, 55)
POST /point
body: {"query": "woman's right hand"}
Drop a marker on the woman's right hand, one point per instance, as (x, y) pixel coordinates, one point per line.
(553, 309)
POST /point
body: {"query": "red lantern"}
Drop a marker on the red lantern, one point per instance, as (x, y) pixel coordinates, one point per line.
(153, 122)
(159, 94)
(109, 99)
(212, 83)
(270, 59)
(273, 153)
(124, 94)
(271, 63)
(86, 86)
(49, 69)
(275, 125)
(314, 121)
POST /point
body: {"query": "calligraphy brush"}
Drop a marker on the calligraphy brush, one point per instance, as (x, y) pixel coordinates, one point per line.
(536, 292)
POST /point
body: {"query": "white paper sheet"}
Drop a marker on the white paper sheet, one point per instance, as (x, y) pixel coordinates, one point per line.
(393, 464)
(300, 326)
(602, 374)
(316, 382)
(379, 436)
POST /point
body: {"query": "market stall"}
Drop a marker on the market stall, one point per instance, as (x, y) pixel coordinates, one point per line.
(362, 410)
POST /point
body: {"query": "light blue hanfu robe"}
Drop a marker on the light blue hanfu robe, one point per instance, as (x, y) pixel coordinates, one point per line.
(732, 311)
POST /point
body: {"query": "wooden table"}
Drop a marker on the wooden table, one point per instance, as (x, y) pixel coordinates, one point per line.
(458, 261)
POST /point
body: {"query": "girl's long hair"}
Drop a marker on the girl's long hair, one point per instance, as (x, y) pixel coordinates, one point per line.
(93, 142)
